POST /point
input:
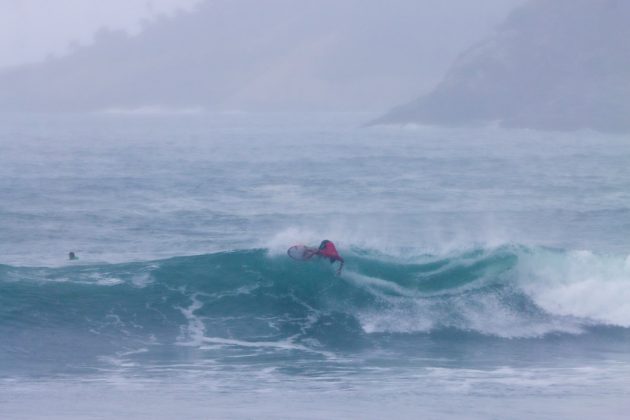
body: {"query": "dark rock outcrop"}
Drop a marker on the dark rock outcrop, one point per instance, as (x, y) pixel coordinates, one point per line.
(558, 65)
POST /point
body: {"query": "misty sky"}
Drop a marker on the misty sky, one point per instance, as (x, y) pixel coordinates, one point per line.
(30, 30)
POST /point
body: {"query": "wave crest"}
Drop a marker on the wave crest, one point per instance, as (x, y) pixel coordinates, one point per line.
(258, 297)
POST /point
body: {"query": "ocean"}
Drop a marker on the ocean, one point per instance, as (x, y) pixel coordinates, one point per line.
(487, 270)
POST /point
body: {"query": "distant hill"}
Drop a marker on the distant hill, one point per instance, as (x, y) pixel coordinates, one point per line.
(560, 65)
(252, 54)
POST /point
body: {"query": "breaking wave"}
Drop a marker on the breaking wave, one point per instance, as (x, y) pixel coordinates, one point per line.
(252, 299)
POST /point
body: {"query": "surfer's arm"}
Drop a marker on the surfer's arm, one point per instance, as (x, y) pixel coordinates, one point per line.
(341, 262)
(309, 252)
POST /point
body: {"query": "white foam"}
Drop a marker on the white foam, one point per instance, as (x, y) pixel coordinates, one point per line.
(407, 310)
(142, 280)
(487, 315)
(579, 283)
(280, 242)
(284, 344)
(193, 333)
(153, 110)
(374, 284)
(386, 238)
(108, 281)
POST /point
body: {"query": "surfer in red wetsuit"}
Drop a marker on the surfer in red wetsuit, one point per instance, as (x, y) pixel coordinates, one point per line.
(327, 250)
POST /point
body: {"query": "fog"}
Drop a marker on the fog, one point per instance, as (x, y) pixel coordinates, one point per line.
(541, 64)
(236, 55)
(31, 30)
(314, 209)
(559, 65)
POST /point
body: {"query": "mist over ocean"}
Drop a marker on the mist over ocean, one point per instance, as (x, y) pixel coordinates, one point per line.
(487, 270)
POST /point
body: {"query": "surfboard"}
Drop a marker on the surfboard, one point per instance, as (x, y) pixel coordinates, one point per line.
(298, 252)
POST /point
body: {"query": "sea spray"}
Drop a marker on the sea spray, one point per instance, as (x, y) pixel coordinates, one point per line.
(254, 299)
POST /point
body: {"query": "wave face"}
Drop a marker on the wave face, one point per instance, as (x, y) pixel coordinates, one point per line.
(249, 299)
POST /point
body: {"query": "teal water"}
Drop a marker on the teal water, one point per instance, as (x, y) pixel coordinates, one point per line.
(487, 274)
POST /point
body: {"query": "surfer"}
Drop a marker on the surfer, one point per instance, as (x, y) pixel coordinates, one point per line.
(327, 250)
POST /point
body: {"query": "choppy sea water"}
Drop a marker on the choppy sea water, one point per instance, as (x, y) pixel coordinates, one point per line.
(487, 274)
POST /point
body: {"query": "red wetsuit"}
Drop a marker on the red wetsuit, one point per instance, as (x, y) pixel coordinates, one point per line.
(327, 249)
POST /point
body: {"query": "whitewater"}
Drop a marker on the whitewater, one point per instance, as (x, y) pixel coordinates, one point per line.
(487, 270)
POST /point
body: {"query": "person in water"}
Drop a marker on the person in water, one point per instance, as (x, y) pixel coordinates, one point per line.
(326, 250)
(72, 256)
